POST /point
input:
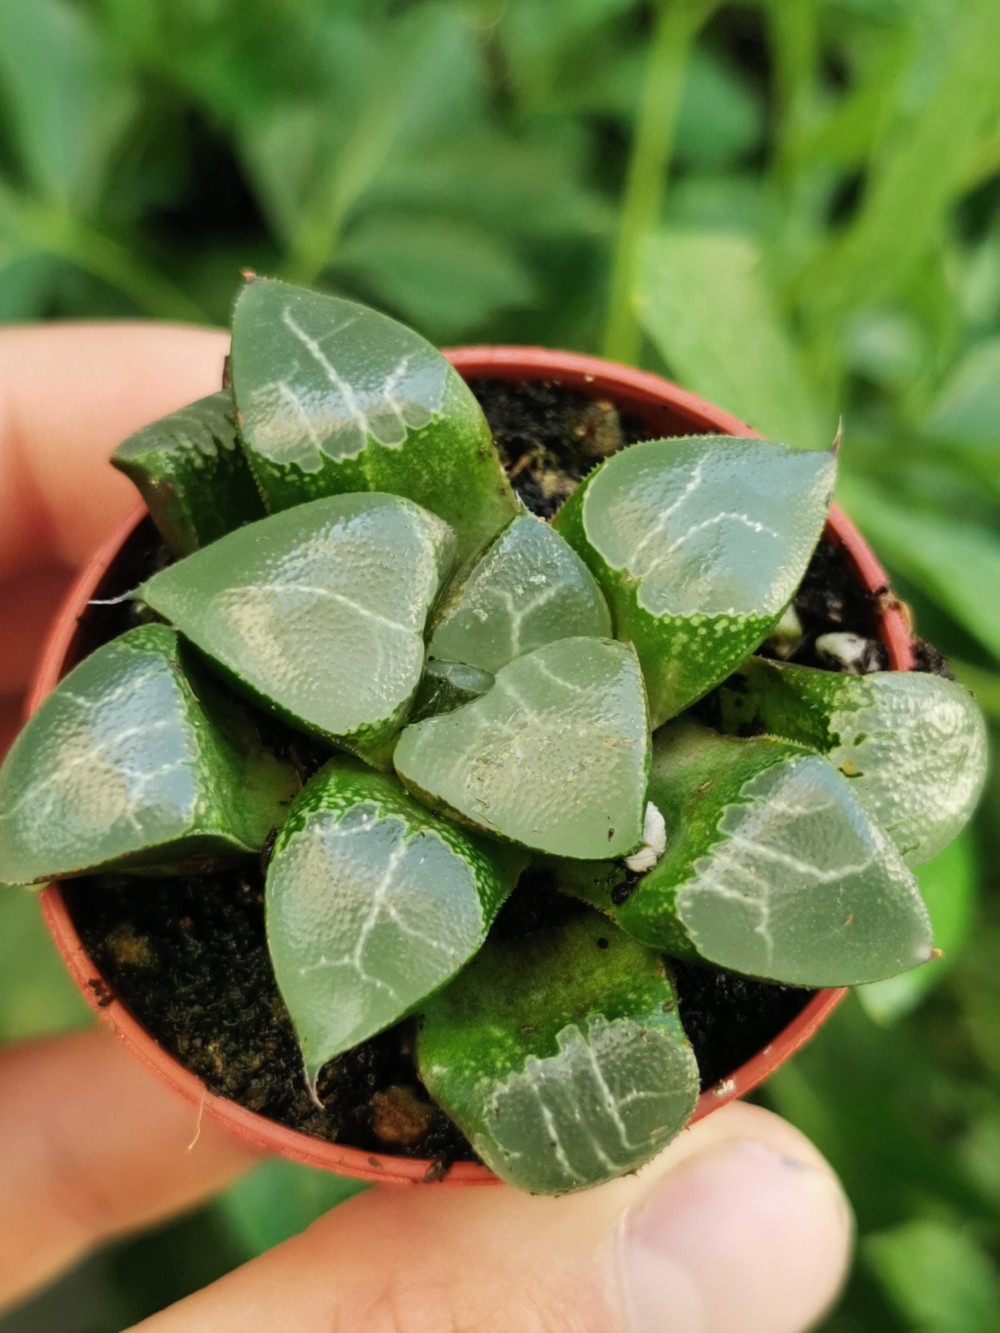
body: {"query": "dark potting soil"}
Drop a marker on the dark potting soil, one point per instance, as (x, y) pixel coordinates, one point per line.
(188, 956)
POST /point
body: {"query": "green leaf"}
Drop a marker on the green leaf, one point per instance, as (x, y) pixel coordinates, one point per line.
(705, 303)
(937, 1276)
(954, 561)
(771, 869)
(191, 472)
(333, 397)
(133, 761)
(67, 102)
(561, 1057)
(318, 612)
(37, 996)
(875, 258)
(699, 544)
(372, 904)
(968, 407)
(450, 276)
(277, 1200)
(445, 686)
(527, 589)
(554, 756)
(948, 887)
(913, 745)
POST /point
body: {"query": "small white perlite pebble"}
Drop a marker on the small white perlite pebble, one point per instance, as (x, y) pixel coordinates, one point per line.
(847, 652)
(654, 841)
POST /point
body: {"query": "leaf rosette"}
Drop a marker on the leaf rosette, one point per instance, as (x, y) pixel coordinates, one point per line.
(458, 721)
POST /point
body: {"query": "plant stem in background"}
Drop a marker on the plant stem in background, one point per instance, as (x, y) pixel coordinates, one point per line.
(46, 227)
(677, 26)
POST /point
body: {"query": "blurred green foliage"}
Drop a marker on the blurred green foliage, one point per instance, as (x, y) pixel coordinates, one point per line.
(790, 207)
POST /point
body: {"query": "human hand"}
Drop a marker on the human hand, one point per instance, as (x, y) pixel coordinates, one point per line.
(740, 1225)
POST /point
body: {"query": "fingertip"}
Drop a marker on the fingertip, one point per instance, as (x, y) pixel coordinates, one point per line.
(70, 393)
(751, 1232)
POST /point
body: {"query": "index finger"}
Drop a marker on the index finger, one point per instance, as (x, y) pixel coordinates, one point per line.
(69, 393)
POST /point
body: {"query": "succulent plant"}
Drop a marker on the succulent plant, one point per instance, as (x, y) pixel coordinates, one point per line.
(491, 694)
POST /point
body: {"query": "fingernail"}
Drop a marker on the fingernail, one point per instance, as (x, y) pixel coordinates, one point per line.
(739, 1238)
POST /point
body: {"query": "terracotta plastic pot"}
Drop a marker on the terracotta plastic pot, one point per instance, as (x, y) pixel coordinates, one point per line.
(667, 410)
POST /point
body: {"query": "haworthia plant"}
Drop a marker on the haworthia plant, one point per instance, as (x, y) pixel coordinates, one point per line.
(913, 745)
(561, 1056)
(772, 868)
(333, 397)
(524, 688)
(554, 756)
(530, 588)
(128, 763)
(699, 545)
(372, 905)
(192, 473)
(319, 612)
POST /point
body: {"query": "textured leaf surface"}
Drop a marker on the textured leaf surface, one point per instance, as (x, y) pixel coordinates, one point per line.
(334, 397)
(122, 765)
(561, 1056)
(699, 543)
(190, 470)
(554, 756)
(772, 867)
(372, 904)
(529, 588)
(318, 612)
(913, 745)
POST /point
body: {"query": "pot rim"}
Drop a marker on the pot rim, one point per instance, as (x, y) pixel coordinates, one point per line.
(653, 399)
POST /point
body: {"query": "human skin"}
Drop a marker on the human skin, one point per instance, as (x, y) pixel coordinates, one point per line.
(739, 1226)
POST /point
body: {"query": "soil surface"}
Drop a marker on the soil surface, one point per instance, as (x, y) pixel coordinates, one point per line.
(188, 956)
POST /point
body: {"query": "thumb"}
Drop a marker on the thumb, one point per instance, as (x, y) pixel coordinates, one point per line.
(740, 1225)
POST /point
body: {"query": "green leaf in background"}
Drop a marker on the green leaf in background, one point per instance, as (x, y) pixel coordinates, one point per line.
(37, 996)
(334, 397)
(967, 409)
(68, 104)
(948, 888)
(553, 1106)
(277, 1200)
(529, 588)
(372, 905)
(771, 868)
(699, 544)
(442, 274)
(705, 303)
(304, 612)
(191, 472)
(912, 745)
(125, 765)
(940, 1278)
(554, 756)
(904, 207)
(954, 562)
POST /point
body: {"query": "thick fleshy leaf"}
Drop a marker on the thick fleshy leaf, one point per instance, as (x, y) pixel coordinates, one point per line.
(372, 904)
(699, 544)
(445, 686)
(530, 587)
(561, 1056)
(913, 745)
(131, 762)
(190, 470)
(334, 397)
(772, 868)
(318, 612)
(554, 756)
